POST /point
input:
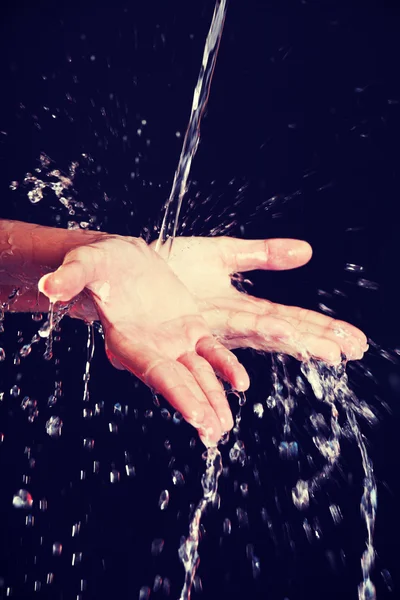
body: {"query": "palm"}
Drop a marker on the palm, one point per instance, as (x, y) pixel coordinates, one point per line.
(153, 327)
(206, 265)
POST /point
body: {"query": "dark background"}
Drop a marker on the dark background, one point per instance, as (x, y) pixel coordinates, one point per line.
(304, 107)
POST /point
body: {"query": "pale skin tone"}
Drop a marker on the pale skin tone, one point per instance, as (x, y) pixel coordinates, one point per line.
(174, 324)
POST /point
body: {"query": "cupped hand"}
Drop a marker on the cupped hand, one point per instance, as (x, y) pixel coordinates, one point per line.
(206, 267)
(153, 327)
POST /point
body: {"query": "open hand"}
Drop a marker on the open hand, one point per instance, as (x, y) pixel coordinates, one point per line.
(153, 327)
(238, 320)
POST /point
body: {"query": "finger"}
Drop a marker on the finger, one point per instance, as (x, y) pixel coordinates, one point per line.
(350, 338)
(168, 378)
(223, 362)
(212, 389)
(269, 334)
(78, 270)
(180, 388)
(306, 317)
(276, 254)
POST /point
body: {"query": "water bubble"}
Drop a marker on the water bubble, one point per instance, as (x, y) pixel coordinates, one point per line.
(177, 478)
(29, 520)
(308, 530)
(54, 426)
(271, 402)
(114, 476)
(244, 488)
(88, 443)
(2, 354)
(387, 578)
(157, 546)
(130, 470)
(242, 517)
(76, 558)
(369, 285)
(25, 350)
(164, 500)
(157, 583)
(258, 410)
(237, 452)
(353, 268)
(15, 391)
(22, 499)
(112, 427)
(177, 418)
(144, 593)
(51, 401)
(335, 513)
(227, 526)
(148, 414)
(45, 330)
(288, 450)
(301, 495)
(255, 566)
(166, 586)
(165, 414)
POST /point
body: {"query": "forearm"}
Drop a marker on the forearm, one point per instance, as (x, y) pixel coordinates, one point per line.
(27, 252)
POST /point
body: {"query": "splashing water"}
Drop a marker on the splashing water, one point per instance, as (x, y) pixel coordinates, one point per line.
(329, 385)
(192, 137)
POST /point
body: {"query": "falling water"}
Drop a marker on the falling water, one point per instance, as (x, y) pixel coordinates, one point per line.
(192, 137)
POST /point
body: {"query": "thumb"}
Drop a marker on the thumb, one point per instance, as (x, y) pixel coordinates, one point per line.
(76, 272)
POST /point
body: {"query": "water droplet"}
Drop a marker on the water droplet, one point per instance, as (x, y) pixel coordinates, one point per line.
(15, 391)
(177, 418)
(157, 546)
(144, 593)
(76, 558)
(25, 350)
(54, 426)
(22, 499)
(177, 478)
(353, 268)
(227, 527)
(166, 586)
(114, 476)
(244, 488)
(164, 500)
(165, 414)
(301, 495)
(157, 583)
(258, 410)
(88, 443)
(45, 330)
(288, 450)
(335, 513)
(367, 284)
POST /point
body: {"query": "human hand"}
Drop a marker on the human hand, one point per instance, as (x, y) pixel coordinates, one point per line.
(238, 320)
(153, 327)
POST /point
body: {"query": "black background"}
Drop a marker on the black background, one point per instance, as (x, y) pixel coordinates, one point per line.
(305, 106)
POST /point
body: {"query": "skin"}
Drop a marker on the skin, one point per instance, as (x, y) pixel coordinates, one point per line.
(174, 324)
